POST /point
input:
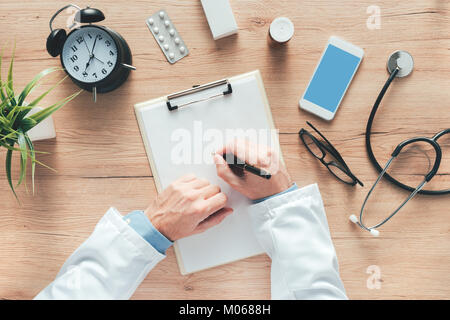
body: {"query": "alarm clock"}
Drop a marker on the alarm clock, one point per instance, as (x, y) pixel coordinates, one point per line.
(95, 57)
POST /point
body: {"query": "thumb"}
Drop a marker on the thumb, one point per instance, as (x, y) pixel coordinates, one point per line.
(224, 171)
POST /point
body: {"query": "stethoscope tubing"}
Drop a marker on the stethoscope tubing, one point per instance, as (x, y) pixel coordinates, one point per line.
(427, 178)
(395, 153)
(371, 154)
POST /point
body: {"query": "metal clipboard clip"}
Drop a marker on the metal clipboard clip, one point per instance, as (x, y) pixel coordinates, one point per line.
(198, 89)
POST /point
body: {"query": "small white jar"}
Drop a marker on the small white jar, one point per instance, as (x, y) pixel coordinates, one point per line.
(281, 30)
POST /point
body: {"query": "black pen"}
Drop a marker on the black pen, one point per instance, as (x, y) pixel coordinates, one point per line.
(238, 167)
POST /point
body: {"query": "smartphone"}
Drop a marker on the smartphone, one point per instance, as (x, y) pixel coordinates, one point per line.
(332, 77)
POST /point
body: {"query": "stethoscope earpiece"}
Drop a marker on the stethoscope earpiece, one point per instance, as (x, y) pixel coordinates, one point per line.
(373, 232)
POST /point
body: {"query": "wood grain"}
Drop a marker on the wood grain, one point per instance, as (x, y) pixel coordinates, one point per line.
(101, 160)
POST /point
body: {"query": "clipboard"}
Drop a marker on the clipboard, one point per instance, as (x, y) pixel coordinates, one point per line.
(240, 102)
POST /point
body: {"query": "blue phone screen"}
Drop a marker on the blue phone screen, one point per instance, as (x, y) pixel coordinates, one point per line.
(331, 78)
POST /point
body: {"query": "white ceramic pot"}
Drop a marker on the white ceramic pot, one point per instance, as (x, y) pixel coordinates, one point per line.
(44, 130)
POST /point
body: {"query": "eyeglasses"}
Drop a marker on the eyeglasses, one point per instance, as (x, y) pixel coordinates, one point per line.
(320, 149)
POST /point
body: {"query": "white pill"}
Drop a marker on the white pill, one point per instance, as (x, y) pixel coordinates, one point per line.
(171, 55)
(167, 23)
(182, 49)
(161, 38)
(166, 47)
(172, 32)
(161, 14)
(156, 30)
(151, 21)
(177, 40)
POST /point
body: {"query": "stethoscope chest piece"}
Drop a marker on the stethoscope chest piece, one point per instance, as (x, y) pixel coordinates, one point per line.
(401, 60)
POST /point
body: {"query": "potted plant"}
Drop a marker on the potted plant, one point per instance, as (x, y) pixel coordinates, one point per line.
(16, 121)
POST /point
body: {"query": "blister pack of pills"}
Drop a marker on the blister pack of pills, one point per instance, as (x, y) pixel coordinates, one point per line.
(167, 36)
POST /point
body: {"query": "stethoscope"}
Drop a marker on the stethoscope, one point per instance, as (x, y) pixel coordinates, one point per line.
(400, 64)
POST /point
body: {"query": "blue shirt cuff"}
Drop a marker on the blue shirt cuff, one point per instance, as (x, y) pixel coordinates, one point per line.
(142, 225)
(292, 188)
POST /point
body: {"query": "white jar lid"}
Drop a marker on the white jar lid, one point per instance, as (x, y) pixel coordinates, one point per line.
(281, 29)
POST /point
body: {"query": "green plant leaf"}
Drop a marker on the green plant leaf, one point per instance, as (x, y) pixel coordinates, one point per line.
(11, 114)
(4, 122)
(22, 114)
(6, 101)
(10, 86)
(43, 114)
(10, 94)
(38, 99)
(33, 159)
(33, 83)
(45, 166)
(2, 93)
(11, 135)
(18, 110)
(8, 147)
(23, 157)
(27, 124)
(7, 131)
(10, 75)
(8, 172)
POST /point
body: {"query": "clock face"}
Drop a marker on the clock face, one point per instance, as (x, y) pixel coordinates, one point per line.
(89, 54)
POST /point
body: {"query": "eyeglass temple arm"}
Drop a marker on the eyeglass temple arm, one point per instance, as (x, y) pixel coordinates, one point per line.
(330, 148)
(325, 139)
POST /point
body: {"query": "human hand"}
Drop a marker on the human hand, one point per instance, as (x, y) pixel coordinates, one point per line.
(260, 156)
(188, 206)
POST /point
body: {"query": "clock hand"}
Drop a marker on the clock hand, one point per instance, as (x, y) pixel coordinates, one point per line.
(99, 60)
(88, 63)
(84, 40)
(95, 41)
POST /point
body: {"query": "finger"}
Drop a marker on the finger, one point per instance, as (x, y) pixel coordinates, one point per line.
(224, 171)
(187, 178)
(239, 148)
(209, 191)
(213, 220)
(215, 203)
(234, 147)
(198, 183)
(248, 152)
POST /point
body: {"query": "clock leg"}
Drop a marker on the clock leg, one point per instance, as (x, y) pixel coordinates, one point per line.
(94, 94)
(128, 66)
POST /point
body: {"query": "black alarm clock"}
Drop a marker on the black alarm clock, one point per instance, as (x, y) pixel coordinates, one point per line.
(95, 57)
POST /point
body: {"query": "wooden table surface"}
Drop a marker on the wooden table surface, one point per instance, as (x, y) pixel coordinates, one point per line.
(101, 162)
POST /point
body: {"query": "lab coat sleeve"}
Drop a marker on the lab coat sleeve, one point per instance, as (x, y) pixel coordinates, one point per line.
(110, 264)
(293, 230)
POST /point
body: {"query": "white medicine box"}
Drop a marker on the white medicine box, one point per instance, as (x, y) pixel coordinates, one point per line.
(220, 18)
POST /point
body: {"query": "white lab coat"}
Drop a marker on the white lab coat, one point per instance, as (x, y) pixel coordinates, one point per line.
(292, 228)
